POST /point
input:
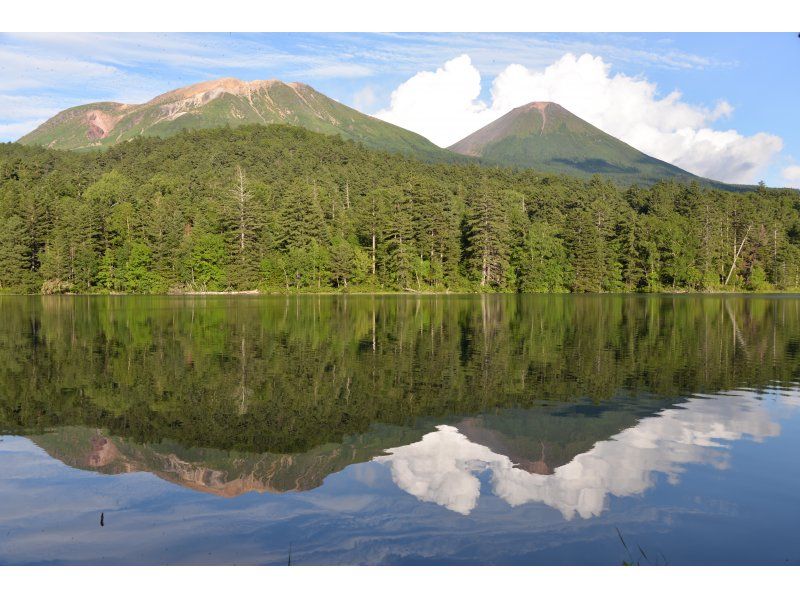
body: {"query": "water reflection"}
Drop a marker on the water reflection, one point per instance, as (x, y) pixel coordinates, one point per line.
(287, 375)
(397, 429)
(732, 500)
(219, 472)
(444, 466)
(527, 456)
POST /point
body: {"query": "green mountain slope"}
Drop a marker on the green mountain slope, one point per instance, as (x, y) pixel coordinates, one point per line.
(546, 137)
(225, 102)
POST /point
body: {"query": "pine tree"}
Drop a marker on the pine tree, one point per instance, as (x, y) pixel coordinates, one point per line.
(342, 262)
(371, 216)
(488, 238)
(301, 219)
(436, 231)
(587, 254)
(541, 261)
(243, 218)
(14, 254)
(398, 252)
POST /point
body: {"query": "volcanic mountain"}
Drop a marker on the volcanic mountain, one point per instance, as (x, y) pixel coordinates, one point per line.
(225, 102)
(546, 137)
(536, 440)
(540, 135)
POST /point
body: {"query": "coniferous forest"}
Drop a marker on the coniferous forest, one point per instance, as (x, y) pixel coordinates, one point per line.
(281, 209)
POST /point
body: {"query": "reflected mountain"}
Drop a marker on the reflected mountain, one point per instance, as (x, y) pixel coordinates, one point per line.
(445, 465)
(224, 473)
(537, 439)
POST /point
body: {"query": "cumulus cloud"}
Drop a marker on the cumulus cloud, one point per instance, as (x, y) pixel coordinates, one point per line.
(445, 106)
(444, 466)
(442, 105)
(792, 175)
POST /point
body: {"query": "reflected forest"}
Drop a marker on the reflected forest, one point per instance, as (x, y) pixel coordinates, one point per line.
(288, 374)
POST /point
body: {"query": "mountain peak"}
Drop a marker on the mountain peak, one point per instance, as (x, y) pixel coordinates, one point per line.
(547, 137)
(536, 106)
(214, 88)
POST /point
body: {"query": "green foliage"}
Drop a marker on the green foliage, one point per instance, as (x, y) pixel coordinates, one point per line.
(206, 262)
(282, 209)
(14, 254)
(488, 238)
(138, 274)
(542, 261)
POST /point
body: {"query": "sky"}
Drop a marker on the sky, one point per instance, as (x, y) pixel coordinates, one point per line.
(720, 105)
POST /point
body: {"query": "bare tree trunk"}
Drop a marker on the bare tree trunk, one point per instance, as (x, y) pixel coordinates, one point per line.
(242, 197)
(736, 255)
(373, 253)
(374, 226)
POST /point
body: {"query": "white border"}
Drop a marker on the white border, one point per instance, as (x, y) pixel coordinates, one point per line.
(408, 15)
(398, 582)
(405, 15)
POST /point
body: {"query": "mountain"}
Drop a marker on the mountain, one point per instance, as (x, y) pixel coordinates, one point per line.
(537, 440)
(225, 102)
(540, 135)
(220, 472)
(546, 137)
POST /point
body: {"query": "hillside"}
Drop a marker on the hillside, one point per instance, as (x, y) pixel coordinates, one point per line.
(546, 137)
(225, 102)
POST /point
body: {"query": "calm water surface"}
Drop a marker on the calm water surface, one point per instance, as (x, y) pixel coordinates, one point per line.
(400, 430)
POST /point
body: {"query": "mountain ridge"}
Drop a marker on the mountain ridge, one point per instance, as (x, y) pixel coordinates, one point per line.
(225, 102)
(542, 136)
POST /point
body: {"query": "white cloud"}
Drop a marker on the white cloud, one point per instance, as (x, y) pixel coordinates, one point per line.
(444, 106)
(792, 175)
(364, 98)
(444, 466)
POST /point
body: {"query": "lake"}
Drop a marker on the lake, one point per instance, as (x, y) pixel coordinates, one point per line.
(495, 429)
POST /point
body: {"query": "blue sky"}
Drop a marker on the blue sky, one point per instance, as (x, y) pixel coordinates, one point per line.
(735, 117)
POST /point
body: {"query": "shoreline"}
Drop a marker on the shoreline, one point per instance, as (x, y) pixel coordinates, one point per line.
(257, 293)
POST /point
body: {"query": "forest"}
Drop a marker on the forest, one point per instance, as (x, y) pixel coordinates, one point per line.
(282, 210)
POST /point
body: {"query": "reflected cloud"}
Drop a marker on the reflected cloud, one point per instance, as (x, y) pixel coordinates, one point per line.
(444, 466)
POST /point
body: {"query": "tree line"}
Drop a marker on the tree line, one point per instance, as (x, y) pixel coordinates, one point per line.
(281, 209)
